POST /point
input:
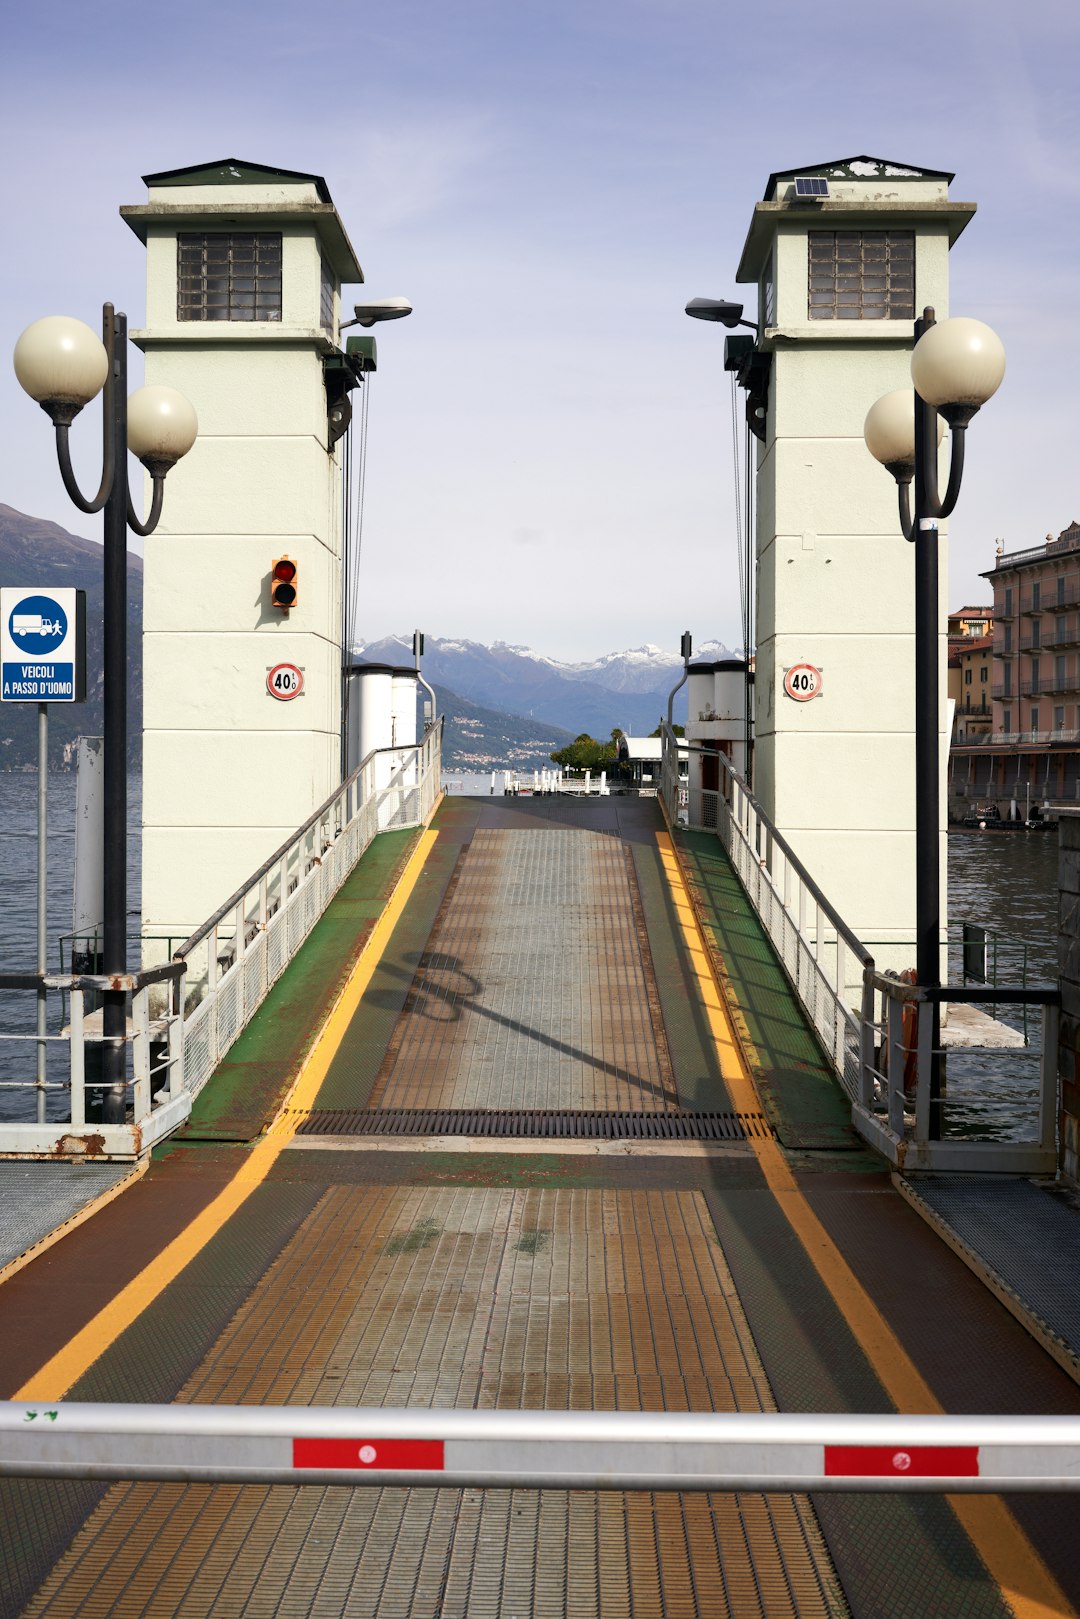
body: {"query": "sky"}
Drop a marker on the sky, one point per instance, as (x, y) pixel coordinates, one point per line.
(549, 181)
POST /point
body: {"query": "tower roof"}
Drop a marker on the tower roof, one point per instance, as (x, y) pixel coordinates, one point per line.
(234, 171)
(232, 213)
(858, 168)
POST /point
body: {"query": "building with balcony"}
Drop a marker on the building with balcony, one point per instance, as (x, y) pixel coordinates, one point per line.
(970, 685)
(1031, 750)
(970, 623)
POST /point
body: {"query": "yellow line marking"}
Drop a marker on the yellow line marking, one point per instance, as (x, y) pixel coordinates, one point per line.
(1025, 1581)
(54, 1379)
(138, 1169)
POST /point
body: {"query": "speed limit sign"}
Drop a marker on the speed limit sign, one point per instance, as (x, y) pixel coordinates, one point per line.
(284, 681)
(802, 681)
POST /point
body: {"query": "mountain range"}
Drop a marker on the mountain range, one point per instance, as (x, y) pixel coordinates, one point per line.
(504, 704)
(625, 689)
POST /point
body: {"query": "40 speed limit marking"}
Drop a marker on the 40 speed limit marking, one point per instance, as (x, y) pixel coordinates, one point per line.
(284, 681)
(802, 681)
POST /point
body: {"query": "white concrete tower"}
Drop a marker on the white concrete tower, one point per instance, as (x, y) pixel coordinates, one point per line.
(244, 269)
(844, 256)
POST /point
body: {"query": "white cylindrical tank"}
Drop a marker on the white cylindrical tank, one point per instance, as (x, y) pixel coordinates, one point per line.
(716, 723)
(403, 772)
(403, 707)
(371, 711)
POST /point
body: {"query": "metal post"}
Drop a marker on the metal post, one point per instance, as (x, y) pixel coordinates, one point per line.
(927, 742)
(42, 905)
(115, 734)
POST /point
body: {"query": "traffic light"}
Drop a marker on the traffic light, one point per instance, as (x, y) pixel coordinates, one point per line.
(283, 583)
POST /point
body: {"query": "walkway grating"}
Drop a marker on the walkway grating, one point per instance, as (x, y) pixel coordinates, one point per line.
(537, 1124)
(536, 988)
(568, 1298)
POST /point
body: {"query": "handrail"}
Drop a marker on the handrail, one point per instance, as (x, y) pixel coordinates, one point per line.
(854, 944)
(968, 994)
(92, 982)
(282, 850)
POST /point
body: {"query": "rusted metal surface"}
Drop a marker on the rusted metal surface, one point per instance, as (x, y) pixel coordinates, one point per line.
(72, 1146)
(535, 988)
(569, 1299)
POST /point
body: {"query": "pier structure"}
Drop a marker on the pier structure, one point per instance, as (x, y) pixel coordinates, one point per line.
(460, 1115)
(842, 256)
(242, 682)
(533, 1122)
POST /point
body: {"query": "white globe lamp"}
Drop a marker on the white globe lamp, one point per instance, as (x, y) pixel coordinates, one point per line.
(59, 361)
(958, 362)
(162, 427)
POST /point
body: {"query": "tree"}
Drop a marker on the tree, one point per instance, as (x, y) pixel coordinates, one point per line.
(586, 753)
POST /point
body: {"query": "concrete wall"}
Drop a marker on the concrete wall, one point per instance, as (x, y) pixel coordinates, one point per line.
(229, 771)
(1069, 971)
(836, 590)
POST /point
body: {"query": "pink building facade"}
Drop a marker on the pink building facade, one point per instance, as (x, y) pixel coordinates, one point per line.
(1032, 753)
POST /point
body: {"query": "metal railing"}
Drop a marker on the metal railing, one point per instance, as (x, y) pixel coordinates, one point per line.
(825, 963)
(185, 1013)
(537, 1450)
(152, 1045)
(1018, 739)
(896, 1111)
(868, 1022)
(233, 960)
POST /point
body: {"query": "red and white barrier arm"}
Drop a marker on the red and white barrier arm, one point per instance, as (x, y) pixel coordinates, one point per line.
(539, 1449)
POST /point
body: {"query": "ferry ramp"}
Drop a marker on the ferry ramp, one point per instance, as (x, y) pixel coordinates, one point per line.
(555, 1138)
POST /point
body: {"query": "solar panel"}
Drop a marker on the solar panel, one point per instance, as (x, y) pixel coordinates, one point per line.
(811, 185)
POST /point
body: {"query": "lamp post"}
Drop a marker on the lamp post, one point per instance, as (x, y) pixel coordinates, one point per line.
(956, 366)
(62, 364)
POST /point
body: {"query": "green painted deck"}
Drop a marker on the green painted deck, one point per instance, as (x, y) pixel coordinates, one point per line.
(801, 1095)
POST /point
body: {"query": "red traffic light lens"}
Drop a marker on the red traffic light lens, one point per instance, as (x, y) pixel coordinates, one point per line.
(285, 570)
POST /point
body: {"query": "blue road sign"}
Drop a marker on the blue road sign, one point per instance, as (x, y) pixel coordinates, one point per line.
(42, 645)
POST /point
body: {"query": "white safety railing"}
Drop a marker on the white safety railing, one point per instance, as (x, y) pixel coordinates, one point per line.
(69, 1102)
(826, 964)
(898, 1111)
(564, 1450)
(233, 960)
(185, 1013)
(875, 1029)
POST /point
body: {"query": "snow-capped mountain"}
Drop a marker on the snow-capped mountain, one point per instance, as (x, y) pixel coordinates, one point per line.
(626, 689)
(642, 668)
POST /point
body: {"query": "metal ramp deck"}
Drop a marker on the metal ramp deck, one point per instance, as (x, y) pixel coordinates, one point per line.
(541, 967)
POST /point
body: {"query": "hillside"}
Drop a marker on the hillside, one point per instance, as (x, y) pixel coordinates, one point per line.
(35, 552)
(481, 739)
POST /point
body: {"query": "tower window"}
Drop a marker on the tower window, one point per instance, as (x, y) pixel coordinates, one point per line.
(862, 275)
(327, 289)
(229, 277)
(768, 294)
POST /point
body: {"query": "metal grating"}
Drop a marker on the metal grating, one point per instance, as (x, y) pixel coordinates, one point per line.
(36, 1199)
(574, 1299)
(1009, 1223)
(535, 1124)
(534, 990)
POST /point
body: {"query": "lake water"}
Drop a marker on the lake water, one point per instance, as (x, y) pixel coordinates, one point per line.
(18, 929)
(1004, 881)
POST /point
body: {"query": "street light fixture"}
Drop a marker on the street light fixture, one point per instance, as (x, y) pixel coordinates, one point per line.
(727, 313)
(376, 309)
(62, 364)
(956, 366)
